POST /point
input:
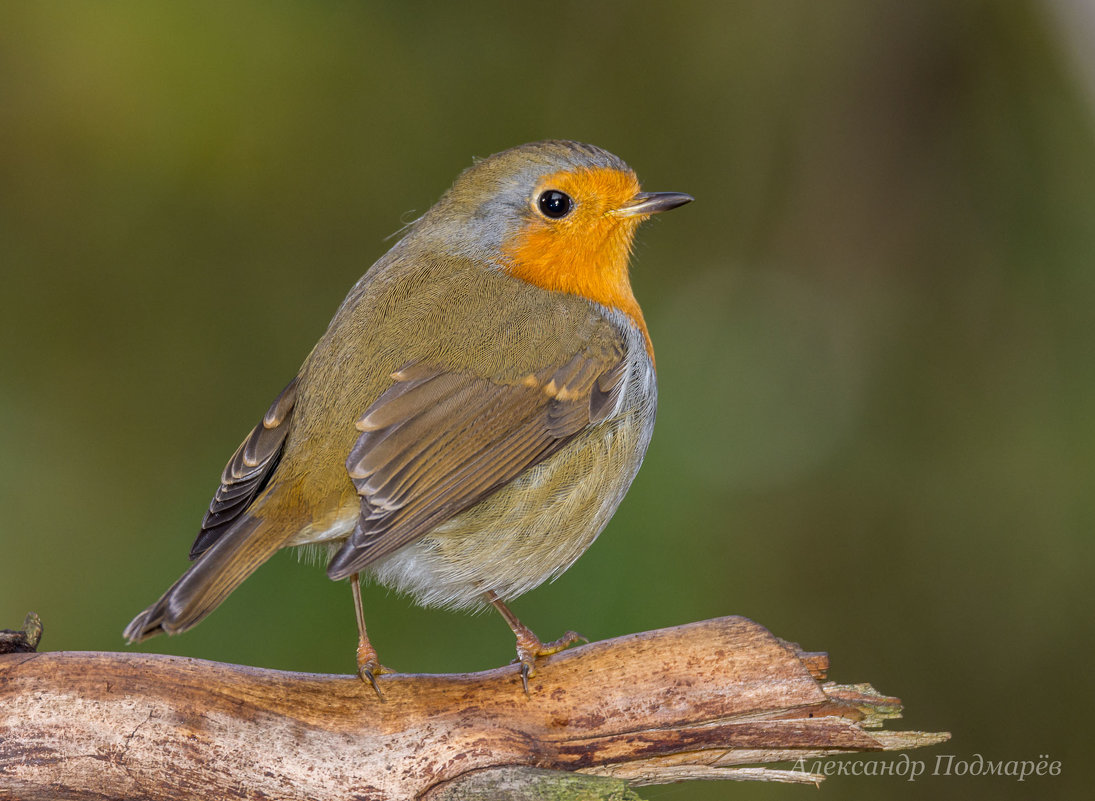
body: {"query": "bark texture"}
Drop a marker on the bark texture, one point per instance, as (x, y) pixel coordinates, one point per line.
(715, 699)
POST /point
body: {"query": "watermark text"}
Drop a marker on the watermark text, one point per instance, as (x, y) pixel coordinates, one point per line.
(909, 769)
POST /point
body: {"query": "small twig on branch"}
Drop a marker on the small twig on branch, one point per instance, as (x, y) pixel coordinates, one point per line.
(24, 641)
(710, 700)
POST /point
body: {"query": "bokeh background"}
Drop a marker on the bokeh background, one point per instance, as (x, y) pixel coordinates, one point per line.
(874, 327)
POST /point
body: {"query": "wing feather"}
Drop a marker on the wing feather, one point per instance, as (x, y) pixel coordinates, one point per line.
(248, 471)
(438, 441)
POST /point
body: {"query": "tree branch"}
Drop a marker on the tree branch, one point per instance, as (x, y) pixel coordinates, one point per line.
(704, 700)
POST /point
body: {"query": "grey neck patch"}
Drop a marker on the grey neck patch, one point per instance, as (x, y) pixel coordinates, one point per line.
(491, 201)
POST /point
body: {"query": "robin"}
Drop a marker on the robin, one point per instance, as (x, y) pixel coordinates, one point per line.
(472, 416)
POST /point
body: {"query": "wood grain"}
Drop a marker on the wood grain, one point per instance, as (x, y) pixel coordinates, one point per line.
(694, 701)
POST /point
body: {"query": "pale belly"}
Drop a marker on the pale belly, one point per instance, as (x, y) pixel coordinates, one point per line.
(527, 532)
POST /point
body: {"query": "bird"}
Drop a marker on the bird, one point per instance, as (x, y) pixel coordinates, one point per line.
(473, 415)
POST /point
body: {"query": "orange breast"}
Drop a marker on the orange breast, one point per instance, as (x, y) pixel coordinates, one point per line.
(587, 252)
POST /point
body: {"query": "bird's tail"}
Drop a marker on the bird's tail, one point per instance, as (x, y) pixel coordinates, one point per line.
(217, 572)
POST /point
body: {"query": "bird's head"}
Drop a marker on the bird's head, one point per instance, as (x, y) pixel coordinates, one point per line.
(557, 214)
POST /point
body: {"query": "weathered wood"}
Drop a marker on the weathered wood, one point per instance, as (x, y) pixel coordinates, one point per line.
(694, 701)
(23, 641)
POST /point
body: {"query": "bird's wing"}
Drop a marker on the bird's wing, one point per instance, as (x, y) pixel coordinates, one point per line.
(248, 471)
(438, 441)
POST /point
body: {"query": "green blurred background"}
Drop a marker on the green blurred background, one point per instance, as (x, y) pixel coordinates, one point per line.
(874, 327)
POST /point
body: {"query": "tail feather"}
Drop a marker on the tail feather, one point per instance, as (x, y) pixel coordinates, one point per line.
(200, 590)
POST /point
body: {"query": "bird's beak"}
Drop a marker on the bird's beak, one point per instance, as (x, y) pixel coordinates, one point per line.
(646, 203)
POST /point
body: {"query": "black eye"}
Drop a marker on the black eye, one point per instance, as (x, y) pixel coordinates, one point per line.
(555, 204)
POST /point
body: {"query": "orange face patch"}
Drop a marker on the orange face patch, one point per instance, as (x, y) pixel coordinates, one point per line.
(586, 252)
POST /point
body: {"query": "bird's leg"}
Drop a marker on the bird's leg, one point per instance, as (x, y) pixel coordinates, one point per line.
(368, 664)
(529, 646)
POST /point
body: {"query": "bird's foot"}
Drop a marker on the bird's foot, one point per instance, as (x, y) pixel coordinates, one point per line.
(369, 667)
(529, 648)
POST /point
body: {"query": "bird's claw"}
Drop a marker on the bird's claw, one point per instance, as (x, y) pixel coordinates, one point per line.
(369, 667)
(529, 649)
(561, 644)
